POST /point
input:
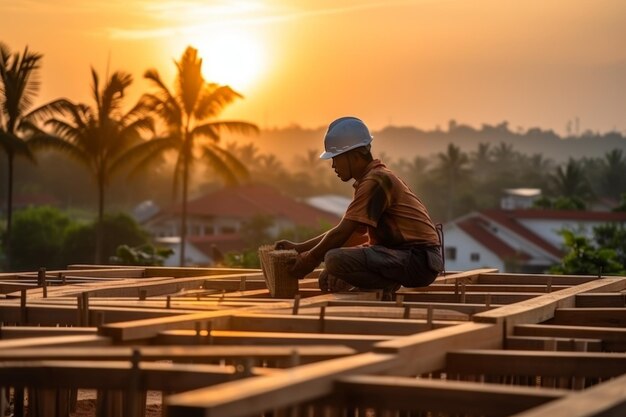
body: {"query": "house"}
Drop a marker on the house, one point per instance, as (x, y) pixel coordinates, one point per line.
(332, 203)
(519, 198)
(524, 240)
(215, 220)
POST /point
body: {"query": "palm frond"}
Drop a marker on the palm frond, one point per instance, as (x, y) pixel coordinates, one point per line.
(190, 81)
(14, 145)
(236, 166)
(64, 130)
(232, 126)
(114, 92)
(220, 166)
(213, 100)
(49, 109)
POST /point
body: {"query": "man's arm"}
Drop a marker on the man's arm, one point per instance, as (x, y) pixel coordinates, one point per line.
(334, 238)
(299, 247)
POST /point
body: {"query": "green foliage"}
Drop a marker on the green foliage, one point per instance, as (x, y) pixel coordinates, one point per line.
(622, 203)
(119, 229)
(38, 238)
(604, 254)
(246, 259)
(255, 233)
(560, 203)
(147, 255)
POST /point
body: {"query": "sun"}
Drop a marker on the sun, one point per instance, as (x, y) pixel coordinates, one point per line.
(233, 57)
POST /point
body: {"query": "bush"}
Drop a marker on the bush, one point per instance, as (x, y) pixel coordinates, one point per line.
(37, 238)
(119, 229)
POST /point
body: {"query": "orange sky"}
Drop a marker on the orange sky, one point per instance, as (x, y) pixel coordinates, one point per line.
(421, 63)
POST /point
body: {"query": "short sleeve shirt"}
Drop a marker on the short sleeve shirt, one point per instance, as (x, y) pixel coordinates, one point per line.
(392, 212)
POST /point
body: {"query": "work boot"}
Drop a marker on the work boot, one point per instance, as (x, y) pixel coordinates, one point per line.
(390, 291)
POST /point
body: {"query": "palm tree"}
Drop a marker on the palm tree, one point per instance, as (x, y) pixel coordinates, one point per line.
(571, 182)
(614, 173)
(19, 85)
(452, 169)
(99, 137)
(189, 116)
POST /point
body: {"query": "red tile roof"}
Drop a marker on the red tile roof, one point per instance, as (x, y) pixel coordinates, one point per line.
(508, 219)
(476, 228)
(250, 200)
(224, 243)
(600, 216)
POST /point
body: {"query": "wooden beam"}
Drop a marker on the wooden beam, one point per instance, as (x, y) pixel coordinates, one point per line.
(562, 343)
(360, 343)
(329, 324)
(434, 396)
(196, 354)
(463, 276)
(17, 332)
(533, 279)
(531, 363)
(601, 300)
(82, 340)
(470, 298)
(490, 288)
(542, 308)
(426, 352)
(254, 396)
(613, 339)
(170, 377)
(603, 400)
(596, 316)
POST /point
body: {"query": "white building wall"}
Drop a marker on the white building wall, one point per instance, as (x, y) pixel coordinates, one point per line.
(465, 245)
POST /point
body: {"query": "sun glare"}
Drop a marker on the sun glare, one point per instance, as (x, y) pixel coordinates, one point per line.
(231, 57)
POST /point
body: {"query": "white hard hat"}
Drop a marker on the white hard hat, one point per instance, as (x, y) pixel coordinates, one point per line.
(344, 134)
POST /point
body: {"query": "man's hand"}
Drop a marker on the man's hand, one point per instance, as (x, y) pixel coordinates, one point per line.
(286, 245)
(305, 264)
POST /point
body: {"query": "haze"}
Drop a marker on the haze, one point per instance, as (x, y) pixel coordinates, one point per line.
(420, 63)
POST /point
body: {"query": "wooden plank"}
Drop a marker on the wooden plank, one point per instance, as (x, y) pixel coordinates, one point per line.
(330, 324)
(197, 354)
(533, 279)
(596, 316)
(491, 288)
(603, 400)
(562, 343)
(469, 309)
(532, 363)
(470, 298)
(254, 396)
(542, 308)
(463, 276)
(434, 396)
(358, 342)
(18, 332)
(81, 340)
(613, 339)
(601, 300)
(115, 375)
(426, 352)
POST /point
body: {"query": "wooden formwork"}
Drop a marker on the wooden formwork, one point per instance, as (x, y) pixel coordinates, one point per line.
(213, 341)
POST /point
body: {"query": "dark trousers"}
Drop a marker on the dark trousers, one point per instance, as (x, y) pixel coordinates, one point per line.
(379, 267)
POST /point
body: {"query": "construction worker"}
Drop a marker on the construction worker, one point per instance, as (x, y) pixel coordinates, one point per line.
(402, 246)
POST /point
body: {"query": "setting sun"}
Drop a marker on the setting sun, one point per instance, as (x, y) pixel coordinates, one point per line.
(231, 57)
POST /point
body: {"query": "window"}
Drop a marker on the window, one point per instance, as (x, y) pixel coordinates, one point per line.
(451, 253)
(227, 230)
(475, 257)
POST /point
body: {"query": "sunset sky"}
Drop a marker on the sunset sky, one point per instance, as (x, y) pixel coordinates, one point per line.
(420, 63)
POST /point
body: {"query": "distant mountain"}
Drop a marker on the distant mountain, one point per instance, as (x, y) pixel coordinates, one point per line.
(407, 142)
